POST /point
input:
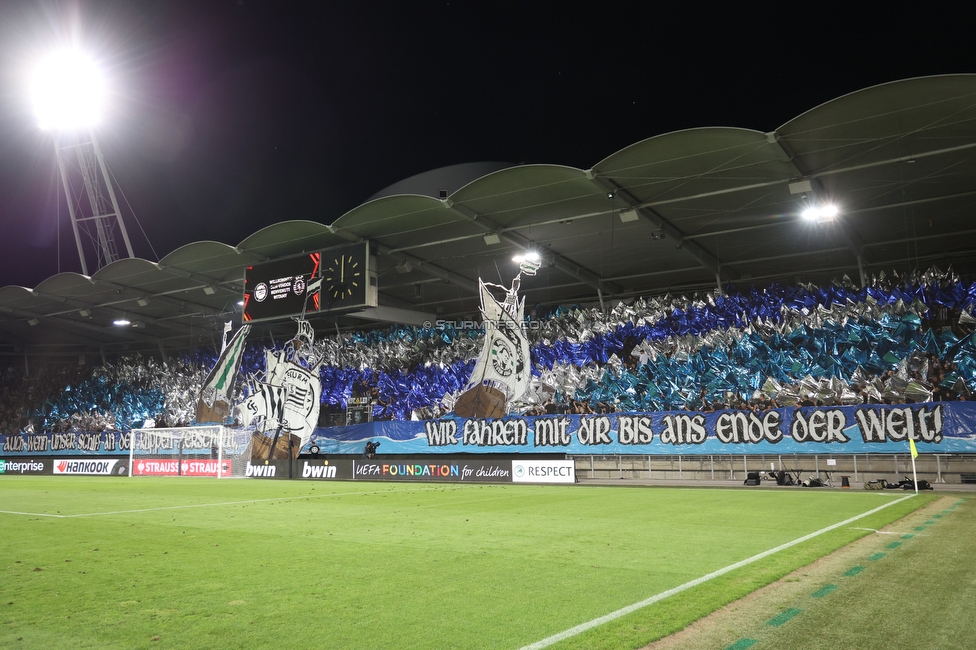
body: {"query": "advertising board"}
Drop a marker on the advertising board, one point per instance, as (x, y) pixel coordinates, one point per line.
(424, 471)
(543, 471)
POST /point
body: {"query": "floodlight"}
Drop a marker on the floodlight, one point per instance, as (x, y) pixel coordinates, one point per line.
(67, 90)
(811, 214)
(528, 256)
(825, 212)
(121, 322)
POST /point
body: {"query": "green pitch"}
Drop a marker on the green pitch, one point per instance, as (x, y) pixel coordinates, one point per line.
(204, 563)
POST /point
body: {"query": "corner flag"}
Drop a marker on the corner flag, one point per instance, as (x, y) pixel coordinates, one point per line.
(911, 445)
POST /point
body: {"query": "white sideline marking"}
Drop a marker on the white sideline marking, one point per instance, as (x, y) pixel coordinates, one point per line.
(207, 505)
(886, 532)
(583, 627)
(31, 514)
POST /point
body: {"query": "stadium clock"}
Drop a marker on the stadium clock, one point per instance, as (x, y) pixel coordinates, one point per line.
(345, 276)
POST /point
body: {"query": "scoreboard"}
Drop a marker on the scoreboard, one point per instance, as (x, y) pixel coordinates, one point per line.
(280, 288)
(338, 279)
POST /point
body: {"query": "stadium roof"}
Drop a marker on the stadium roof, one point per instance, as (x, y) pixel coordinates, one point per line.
(677, 212)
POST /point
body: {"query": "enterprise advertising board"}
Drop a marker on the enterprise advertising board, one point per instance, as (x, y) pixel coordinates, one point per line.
(24, 466)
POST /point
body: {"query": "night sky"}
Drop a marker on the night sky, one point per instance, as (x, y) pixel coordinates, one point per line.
(231, 115)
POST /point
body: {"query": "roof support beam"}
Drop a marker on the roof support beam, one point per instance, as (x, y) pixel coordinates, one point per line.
(204, 280)
(560, 262)
(649, 215)
(73, 305)
(432, 269)
(204, 310)
(66, 324)
(822, 174)
(850, 236)
(417, 263)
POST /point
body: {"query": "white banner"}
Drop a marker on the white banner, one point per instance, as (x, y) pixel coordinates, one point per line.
(543, 471)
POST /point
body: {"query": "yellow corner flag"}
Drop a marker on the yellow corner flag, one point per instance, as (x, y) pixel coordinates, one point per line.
(911, 443)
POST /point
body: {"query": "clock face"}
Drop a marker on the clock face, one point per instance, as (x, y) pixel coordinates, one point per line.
(344, 277)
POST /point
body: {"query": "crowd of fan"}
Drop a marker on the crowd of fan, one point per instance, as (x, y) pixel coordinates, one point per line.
(107, 397)
(127, 391)
(930, 374)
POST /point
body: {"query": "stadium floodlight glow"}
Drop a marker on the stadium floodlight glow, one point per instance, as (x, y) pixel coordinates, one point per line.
(67, 90)
(820, 213)
(528, 256)
(121, 322)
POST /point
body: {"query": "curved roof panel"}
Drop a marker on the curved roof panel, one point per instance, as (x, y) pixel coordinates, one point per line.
(530, 194)
(66, 284)
(695, 162)
(886, 123)
(289, 238)
(404, 221)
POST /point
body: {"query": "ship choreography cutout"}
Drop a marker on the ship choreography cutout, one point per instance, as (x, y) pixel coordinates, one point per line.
(503, 370)
(216, 395)
(284, 404)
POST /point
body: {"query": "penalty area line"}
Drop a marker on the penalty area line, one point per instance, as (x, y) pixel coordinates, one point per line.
(596, 622)
(208, 505)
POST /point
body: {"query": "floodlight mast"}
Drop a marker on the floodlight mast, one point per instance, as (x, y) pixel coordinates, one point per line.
(67, 92)
(80, 158)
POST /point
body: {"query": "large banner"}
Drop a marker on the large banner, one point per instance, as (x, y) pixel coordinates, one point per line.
(940, 427)
(944, 427)
(33, 444)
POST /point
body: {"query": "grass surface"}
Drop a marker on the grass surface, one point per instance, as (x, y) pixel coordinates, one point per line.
(917, 591)
(300, 564)
(911, 585)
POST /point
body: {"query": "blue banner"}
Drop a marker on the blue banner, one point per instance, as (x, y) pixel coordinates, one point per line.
(943, 427)
(939, 427)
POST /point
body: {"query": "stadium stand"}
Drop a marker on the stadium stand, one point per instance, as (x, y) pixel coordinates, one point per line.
(751, 349)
